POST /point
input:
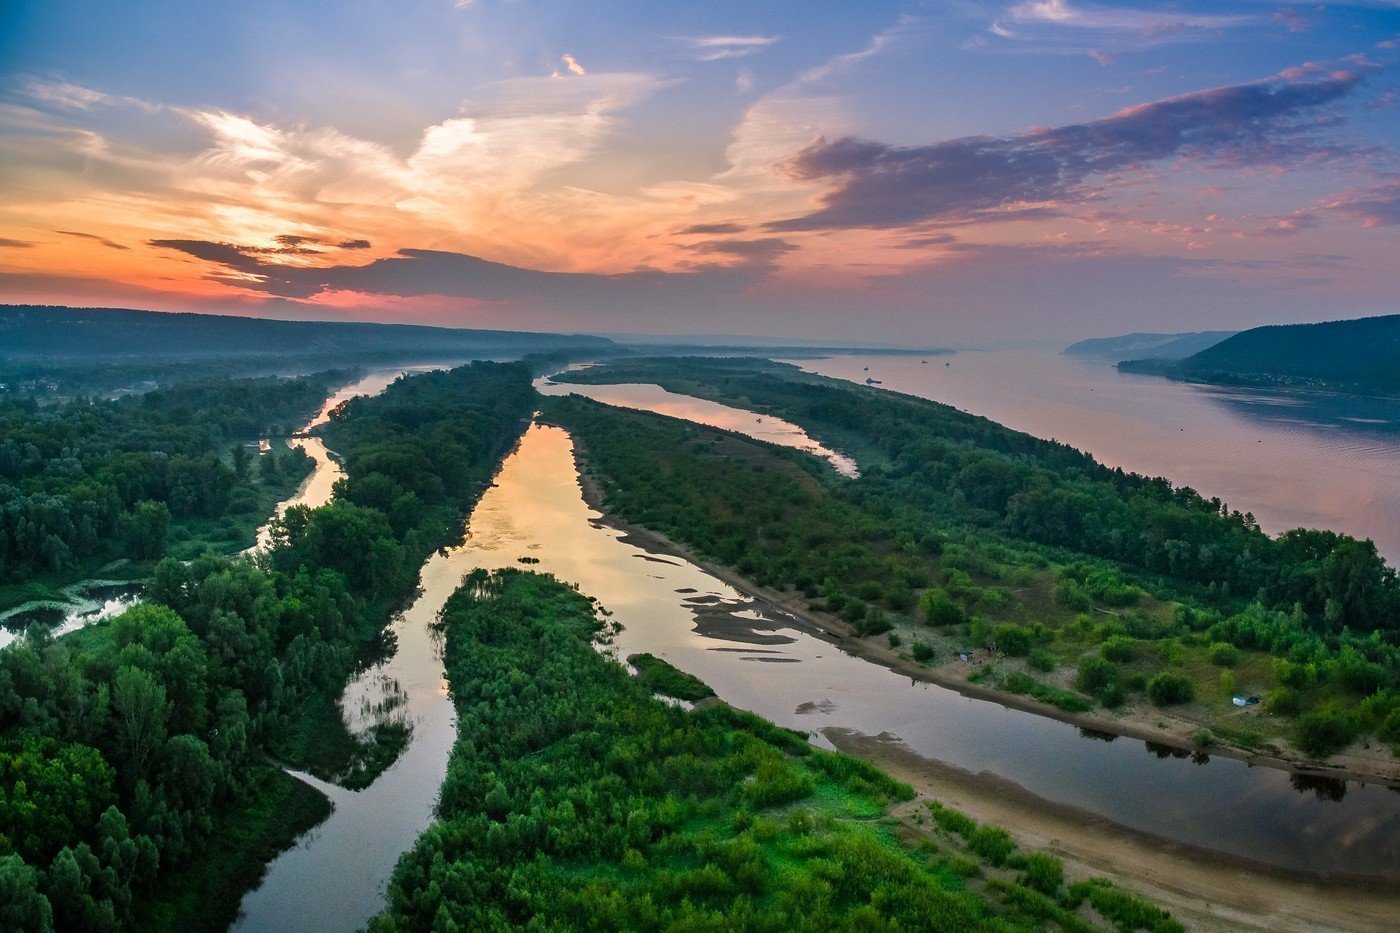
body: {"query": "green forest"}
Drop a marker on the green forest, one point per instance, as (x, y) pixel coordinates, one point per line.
(1097, 587)
(576, 800)
(135, 784)
(1359, 356)
(88, 481)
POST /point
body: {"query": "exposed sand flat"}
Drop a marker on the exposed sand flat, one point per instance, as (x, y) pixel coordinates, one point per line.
(1204, 889)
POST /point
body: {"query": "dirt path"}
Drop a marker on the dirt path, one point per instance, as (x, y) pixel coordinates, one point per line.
(1204, 889)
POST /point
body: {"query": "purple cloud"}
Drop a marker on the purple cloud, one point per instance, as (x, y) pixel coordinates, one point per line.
(1377, 206)
(882, 186)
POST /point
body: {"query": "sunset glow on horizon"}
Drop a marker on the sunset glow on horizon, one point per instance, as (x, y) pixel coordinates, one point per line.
(902, 172)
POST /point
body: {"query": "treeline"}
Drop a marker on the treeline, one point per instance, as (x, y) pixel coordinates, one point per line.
(92, 479)
(1359, 356)
(576, 800)
(134, 789)
(938, 461)
(998, 539)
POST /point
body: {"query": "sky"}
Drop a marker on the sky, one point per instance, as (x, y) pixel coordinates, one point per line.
(907, 173)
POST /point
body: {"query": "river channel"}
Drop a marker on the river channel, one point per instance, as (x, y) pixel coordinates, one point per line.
(763, 661)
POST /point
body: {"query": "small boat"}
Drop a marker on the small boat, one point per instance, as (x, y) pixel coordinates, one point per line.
(867, 369)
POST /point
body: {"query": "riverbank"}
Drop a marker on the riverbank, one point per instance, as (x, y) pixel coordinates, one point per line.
(1152, 724)
(1207, 889)
(1203, 889)
(1149, 724)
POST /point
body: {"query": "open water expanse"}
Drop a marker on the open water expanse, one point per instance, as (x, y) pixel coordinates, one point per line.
(1293, 459)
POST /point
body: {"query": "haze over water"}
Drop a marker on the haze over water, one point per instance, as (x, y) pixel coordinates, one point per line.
(1294, 460)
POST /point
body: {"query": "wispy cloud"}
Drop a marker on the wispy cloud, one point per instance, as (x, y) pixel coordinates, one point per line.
(715, 48)
(66, 96)
(1110, 19)
(1067, 26)
(1375, 206)
(92, 236)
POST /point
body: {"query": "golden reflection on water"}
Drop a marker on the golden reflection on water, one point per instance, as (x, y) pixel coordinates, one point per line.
(755, 659)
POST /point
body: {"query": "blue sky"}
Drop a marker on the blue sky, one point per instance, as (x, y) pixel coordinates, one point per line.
(901, 171)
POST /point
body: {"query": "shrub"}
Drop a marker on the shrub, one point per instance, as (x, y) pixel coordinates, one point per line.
(1013, 639)
(1223, 654)
(1111, 694)
(1169, 689)
(1285, 701)
(1096, 673)
(994, 845)
(1390, 728)
(875, 622)
(1204, 738)
(1041, 660)
(895, 640)
(1044, 873)
(1071, 594)
(1324, 731)
(1118, 648)
(1019, 682)
(951, 820)
(922, 650)
(940, 608)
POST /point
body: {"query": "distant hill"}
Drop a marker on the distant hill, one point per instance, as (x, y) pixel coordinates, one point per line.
(1156, 346)
(1360, 356)
(29, 333)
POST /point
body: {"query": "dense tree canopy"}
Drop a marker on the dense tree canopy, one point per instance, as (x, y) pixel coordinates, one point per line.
(124, 746)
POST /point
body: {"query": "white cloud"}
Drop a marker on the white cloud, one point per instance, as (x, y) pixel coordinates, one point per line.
(1044, 19)
(715, 48)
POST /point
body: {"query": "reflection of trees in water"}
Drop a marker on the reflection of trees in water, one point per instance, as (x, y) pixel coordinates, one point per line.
(1167, 751)
(1086, 733)
(1325, 788)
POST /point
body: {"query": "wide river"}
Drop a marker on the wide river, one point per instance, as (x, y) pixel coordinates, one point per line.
(763, 661)
(1305, 459)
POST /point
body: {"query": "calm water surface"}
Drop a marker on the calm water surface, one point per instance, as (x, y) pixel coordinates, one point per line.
(1311, 460)
(316, 490)
(648, 397)
(759, 660)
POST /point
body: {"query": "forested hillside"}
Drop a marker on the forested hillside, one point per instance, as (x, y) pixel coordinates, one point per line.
(1156, 346)
(1360, 356)
(30, 332)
